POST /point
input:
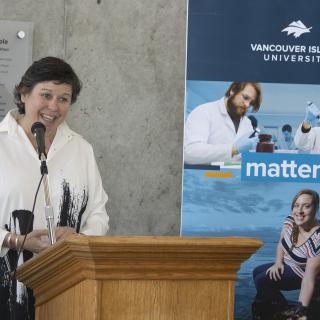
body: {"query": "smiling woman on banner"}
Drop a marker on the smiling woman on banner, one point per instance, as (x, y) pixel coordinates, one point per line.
(297, 263)
(45, 94)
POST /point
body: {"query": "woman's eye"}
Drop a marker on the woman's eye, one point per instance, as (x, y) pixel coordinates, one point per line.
(64, 100)
(46, 95)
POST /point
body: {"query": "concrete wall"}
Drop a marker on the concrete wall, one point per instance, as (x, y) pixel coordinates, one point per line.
(130, 55)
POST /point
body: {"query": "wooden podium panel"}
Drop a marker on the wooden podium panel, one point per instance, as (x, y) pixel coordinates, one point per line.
(147, 278)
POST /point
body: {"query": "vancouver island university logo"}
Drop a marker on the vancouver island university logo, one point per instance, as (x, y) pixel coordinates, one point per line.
(296, 28)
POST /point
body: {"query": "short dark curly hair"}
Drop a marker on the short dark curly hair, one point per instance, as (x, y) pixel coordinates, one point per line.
(287, 127)
(46, 69)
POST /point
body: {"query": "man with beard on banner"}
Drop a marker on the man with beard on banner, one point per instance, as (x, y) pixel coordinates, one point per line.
(220, 130)
(307, 137)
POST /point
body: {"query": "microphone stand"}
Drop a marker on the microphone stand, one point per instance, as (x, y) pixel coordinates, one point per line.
(48, 206)
(38, 130)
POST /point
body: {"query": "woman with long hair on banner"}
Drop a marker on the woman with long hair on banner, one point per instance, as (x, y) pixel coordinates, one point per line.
(297, 263)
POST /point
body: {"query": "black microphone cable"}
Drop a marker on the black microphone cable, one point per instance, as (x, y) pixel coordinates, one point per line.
(13, 274)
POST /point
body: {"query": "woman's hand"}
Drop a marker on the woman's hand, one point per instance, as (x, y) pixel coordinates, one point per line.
(33, 242)
(64, 232)
(276, 271)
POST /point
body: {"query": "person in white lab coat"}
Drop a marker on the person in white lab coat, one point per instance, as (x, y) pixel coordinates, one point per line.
(307, 138)
(286, 142)
(220, 130)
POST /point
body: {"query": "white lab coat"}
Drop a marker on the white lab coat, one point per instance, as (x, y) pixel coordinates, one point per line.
(309, 141)
(282, 144)
(210, 134)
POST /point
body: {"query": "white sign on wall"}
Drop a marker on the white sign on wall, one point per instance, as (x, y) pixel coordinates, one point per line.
(16, 39)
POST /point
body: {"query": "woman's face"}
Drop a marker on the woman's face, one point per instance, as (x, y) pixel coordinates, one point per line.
(303, 211)
(47, 103)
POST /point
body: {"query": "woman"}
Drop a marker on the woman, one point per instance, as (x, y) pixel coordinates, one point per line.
(45, 94)
(297, 259)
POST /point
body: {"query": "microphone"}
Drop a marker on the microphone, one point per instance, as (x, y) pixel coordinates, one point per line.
(38, 129)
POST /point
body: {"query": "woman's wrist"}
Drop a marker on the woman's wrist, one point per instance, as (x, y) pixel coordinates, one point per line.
(12, 241)
(278, 265)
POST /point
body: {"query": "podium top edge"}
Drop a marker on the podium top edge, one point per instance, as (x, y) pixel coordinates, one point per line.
(164, 240)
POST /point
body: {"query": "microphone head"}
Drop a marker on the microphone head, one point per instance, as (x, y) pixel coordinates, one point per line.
(38, 130)
(36, 126)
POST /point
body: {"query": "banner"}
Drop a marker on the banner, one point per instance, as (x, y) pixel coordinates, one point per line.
(252, 130)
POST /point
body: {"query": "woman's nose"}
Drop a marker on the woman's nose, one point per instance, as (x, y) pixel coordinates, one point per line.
(53, 105)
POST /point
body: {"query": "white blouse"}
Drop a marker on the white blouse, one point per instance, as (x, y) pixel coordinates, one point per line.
(77, 195)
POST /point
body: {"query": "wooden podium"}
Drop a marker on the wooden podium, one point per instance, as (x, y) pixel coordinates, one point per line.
(137, 278)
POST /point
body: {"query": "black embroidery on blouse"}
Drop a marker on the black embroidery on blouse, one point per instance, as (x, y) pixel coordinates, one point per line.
(72, 207)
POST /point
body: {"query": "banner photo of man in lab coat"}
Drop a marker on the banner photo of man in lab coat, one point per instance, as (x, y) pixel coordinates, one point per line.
(220, 130)
(252, 146)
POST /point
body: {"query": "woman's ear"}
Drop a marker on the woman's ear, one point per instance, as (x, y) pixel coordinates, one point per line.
(23, 97)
